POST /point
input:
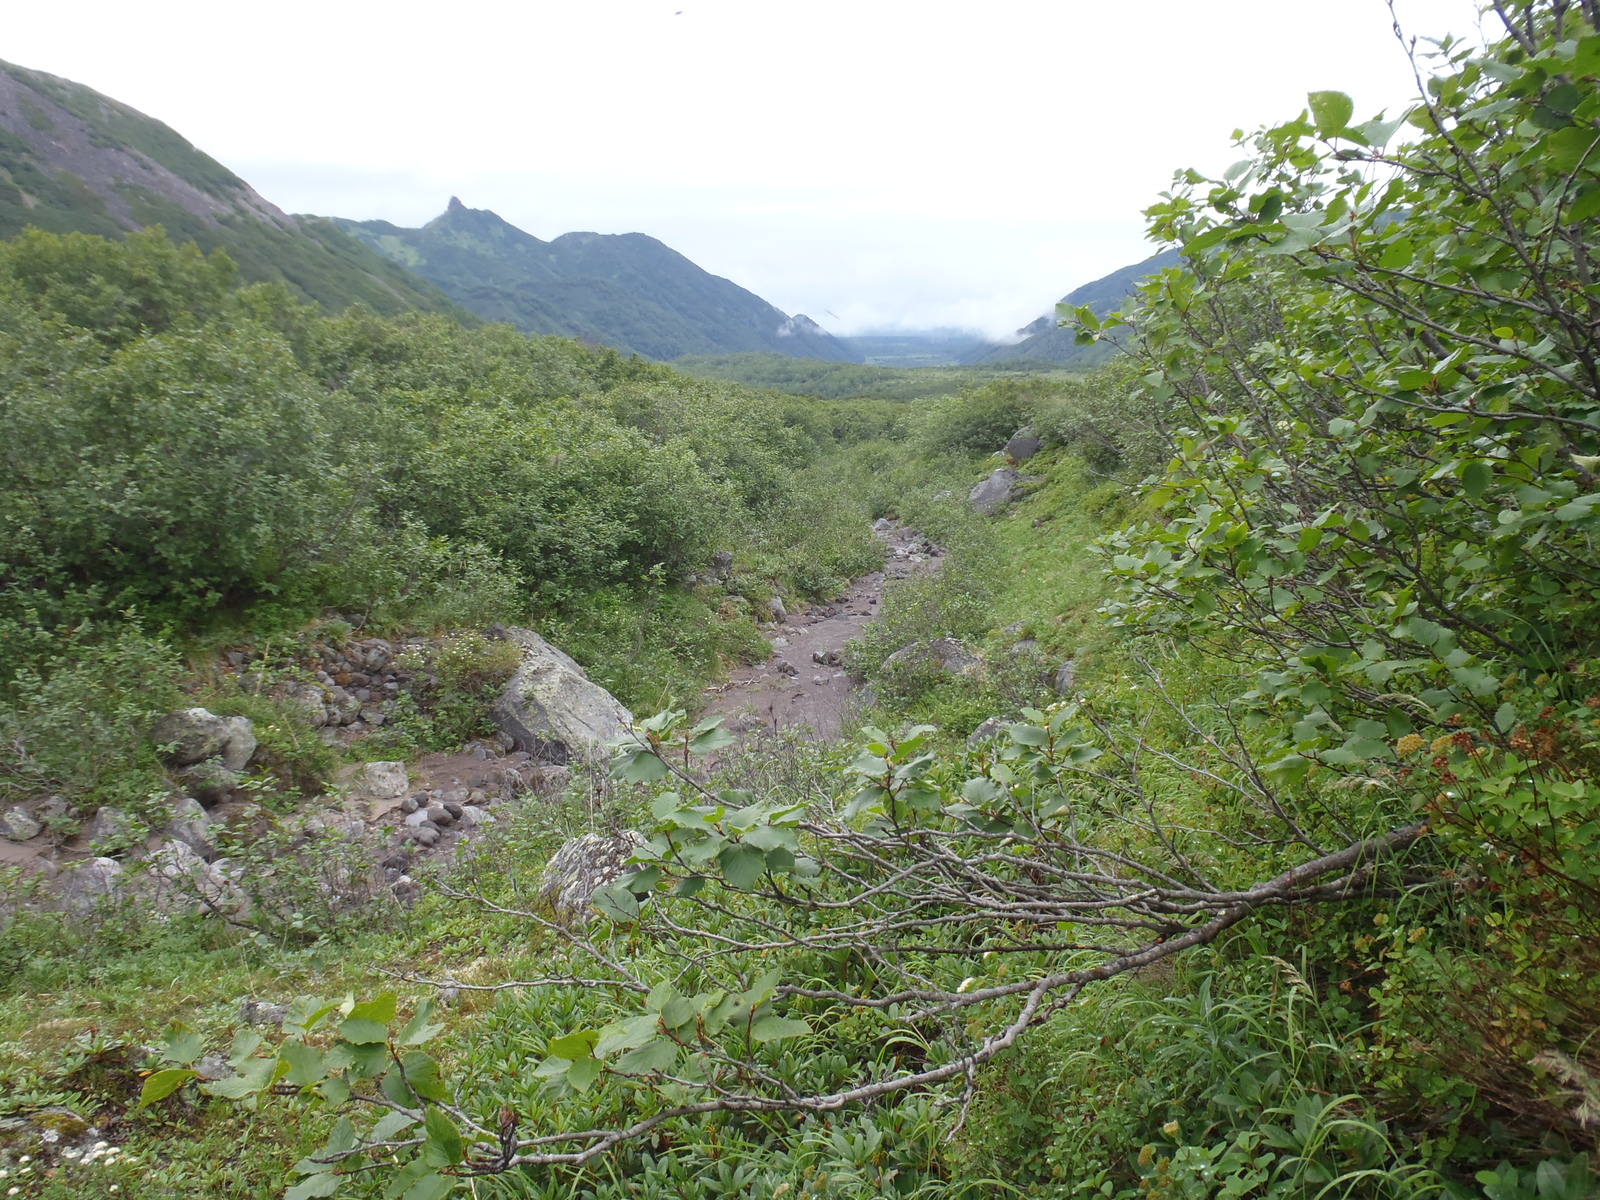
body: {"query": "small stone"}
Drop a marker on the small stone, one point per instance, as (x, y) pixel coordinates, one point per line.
(472, 816)
(17, 825)
(411, 803)
(454, 809)
(52, 808)
(385, 780)
(426, 835)
(406, 889)
(818, 680)
(373, 717)
(440, 815)
(259, 1012)
(416, 817)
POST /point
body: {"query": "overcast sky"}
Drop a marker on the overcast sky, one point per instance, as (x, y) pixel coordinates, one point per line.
(872, 163)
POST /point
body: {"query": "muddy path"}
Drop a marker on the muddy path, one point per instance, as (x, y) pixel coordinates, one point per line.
(804, 684)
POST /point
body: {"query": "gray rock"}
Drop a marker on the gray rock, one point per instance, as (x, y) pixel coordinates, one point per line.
(722, 564)
(549, 780)
(416, 817)
(584, 864)
(945, 654)
(17, 825)
(407, 890)
(472, 816)
(1025, 646)
(240, 744)
(1024, 444)
(411, 803)
(551, 709)
(193, 733)
(991, 728)
(190, 826)
(426, 835)
(385, 780)
(776, 608)
(259, 1012)
(113, 829)
(994, 493)
(213, 1067)
(882, 526)
(312, 708)
(91, 883)
(1065, 675)
(209, 782)
(440, 815)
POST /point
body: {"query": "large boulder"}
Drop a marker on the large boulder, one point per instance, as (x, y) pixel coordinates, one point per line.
(209, 782)
(196, 735)
(941, 654)
(551, 709)
(91, 883)
(191, 827)
(385, 780)
(583, 865)
(18, 826)
(193, 733)
(1024, 444)
(994, 493)
(113, 829)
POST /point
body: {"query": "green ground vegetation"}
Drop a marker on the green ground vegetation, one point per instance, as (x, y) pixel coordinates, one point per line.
(1293, 893)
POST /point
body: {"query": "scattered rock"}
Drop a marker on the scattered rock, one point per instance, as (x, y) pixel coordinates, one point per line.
(209, 782)
(472, 817)
(213, 1067)
(190, 826)
(776, 608)
(17, 825)
(426, 835)
(550, 779)
(385, 780)
(994, 493)
(551, 709)
(113, 829)
(193, 733)
(883, 526)
(1024, 444)
(52, 808)
(584, 864)
(991, 728)
(1065, 676)
(406, 889)
(440, 815)
(784, 667)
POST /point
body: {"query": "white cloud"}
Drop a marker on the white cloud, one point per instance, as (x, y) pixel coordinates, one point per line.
(896, 162)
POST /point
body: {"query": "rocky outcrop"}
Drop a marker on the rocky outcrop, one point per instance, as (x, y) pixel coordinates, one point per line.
(583, 865)
(211, 750)
(994, 493)
(18, 826)
(551, 709)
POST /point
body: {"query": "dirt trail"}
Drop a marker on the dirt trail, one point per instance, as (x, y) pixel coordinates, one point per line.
(804, 684)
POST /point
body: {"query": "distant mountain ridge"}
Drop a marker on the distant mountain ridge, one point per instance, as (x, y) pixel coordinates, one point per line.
(625, 290)
(74, 161)
(1044, 340)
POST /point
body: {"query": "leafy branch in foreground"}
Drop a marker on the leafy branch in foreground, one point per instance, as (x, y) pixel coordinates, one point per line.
(939, 910)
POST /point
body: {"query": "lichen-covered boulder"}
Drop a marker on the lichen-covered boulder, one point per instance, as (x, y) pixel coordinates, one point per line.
(551, 709)
(240, 744)
(90, 883)
(194, 734)
(18, 826)
(385, 780)
(1024, 444)
(584, 864)
(994, 493)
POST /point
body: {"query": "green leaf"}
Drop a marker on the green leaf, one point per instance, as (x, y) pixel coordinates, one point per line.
(443, 1147)
(431, 1187)
(392, 1124)
(417, 1030)
(1331, 112)
(313, 1185)
(575, 1045)
(616, 902)
(305, 1063)
(583, 1073)
(1476, 476)
(742, 866)
(1505, 718)
(712, 740)
(363, 1031)
(658, 1054)
(183, 1046)
(772, 1029)
(641, 767)
(381, 1009)
(162, 1084)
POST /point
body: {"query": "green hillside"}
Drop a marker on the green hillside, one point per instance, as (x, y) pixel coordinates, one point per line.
(625, 290)
(74, 161)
